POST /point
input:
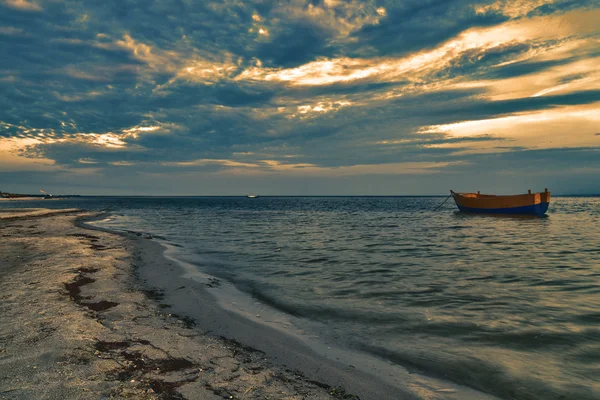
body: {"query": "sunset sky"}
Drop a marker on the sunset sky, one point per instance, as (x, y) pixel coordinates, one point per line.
(381, 97)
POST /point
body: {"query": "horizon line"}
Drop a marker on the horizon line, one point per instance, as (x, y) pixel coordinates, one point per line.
(280, 195)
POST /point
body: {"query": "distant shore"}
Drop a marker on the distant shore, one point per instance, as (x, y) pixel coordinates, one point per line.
(22, 198)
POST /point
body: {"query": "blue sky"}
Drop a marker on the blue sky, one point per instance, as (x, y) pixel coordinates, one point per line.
(299, 97)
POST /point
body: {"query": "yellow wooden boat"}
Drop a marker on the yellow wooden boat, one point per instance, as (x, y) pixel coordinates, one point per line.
(520, 204)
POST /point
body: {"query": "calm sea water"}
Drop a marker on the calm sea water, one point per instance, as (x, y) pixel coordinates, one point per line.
(507, 305)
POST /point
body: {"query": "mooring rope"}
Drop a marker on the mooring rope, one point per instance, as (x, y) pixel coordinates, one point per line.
(442, 203)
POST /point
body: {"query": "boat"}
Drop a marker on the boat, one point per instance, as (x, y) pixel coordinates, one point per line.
(252, 196)
(520, 204)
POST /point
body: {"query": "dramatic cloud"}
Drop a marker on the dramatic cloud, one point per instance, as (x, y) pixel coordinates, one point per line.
(319, 97)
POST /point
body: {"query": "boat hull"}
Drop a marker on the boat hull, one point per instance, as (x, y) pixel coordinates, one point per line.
(521, 204)
(536, 209)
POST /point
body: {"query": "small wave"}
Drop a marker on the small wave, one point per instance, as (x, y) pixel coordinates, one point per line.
(446, 301)
(317, 260)
(577, 288)
(369, 282)
(327, 314)
(481, 278)
(481, 375)
(531, 339)
(554, 283)
(375, 271)
(511, 279)
(344, 292)
(370, 245)
(587, 355)
(279, 273)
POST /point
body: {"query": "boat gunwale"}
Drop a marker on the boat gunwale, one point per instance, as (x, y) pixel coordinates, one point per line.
(493, 196)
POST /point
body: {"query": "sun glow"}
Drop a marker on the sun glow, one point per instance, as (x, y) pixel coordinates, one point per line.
(13, 159)
(23, 5)
(539, 129)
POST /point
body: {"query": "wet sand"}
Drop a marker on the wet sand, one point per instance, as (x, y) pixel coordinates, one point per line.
(75, 324)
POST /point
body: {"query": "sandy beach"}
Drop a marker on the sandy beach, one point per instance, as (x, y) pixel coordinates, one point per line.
(75, 325)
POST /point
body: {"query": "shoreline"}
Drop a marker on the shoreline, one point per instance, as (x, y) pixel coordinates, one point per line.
(74, 324)
(77, 321)
(227, 312)
(181, 295)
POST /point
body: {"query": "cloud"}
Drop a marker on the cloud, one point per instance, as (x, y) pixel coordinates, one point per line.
(22, 5)
(294, 45)
(415, 25)
(301, 88)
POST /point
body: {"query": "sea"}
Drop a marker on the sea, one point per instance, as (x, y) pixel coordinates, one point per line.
(506, 305)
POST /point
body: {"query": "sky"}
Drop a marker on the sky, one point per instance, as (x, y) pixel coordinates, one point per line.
(299, 97)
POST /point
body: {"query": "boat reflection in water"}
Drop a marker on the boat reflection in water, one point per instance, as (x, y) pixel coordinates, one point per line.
(520, 204)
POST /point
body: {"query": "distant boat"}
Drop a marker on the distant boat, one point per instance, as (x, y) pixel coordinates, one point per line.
(252, 196)
(520, 204)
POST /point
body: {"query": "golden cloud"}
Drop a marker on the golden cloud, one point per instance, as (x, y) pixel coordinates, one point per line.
(562, 127)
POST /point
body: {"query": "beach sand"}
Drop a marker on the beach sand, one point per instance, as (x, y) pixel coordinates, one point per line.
(74, 324)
